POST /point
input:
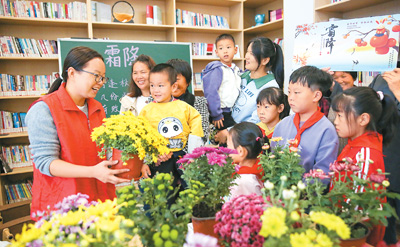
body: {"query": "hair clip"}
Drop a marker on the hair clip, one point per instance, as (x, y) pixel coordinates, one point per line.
(258, 138)
(380, 95)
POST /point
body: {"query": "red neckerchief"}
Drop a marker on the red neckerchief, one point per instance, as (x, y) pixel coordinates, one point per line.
(310, 122)
(256, 169)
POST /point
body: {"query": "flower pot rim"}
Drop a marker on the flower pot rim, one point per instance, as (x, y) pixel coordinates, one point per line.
(203, 218)
(366, 234)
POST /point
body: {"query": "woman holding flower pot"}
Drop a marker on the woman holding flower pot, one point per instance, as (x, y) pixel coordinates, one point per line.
(60, 123)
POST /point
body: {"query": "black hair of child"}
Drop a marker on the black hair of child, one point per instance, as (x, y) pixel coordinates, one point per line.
(166, 68)
(263, 48)
(249, 136)
(358, 100)
(182, 67)
(313, 78)
(134, 90)
(275, 96)
(224, 36)
(76, 58)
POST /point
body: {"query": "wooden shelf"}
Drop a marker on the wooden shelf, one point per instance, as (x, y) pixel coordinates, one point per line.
(349, 5)
(131, 26)
(14, 135)
(15, 204)
(20, 97)
(42, 22)
(266, 27)
(20, 170)
(256, 3)
(213, 2)
(30, 58)
(190, 29)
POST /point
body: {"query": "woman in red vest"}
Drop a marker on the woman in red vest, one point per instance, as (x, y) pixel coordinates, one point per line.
(59, 127)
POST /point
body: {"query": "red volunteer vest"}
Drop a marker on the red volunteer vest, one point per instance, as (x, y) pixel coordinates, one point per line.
(76, 147)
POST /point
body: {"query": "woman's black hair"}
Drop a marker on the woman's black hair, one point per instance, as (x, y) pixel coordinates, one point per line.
(262, 48)
(134, 90)
(275, 96)
(358, 100)
(76, 58)
(249, 136)
(182, 67)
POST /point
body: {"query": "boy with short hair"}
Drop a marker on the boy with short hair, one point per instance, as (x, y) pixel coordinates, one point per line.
(313, 133)
(221, 82)
(174, 119)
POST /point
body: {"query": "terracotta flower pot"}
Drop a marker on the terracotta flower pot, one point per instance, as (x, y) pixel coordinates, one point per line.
(204, 225)
(134, 165)
(356, 242)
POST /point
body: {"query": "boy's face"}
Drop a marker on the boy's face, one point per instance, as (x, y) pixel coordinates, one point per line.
(160, 87)
(302, 99)
(225, 51)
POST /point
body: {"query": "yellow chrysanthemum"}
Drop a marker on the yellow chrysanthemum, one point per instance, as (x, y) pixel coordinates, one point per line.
(331, 222)
(300, 240)
(323, 240)
(273, 222)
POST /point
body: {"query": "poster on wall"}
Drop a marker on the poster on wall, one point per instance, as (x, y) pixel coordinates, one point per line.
(363, 44)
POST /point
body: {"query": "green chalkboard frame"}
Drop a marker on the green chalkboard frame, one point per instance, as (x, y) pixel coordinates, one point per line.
(118, 55)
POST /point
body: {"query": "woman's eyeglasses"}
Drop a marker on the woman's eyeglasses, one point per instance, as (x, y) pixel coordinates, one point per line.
(98, 78)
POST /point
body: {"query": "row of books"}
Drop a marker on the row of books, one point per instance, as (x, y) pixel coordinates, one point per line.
(20, 85)
(365, 78)
(12, 122)
(18, 192)
(17, 156)
(275, 15)
(188, 18)
(20, 47)
(207, 49)
(71, 11)
(153, 15)
(335, 1)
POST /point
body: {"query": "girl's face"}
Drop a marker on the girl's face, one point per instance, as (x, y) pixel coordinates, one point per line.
(348, 128)
(251, 60)
(140, 75)
(268, 113)
(235, 157)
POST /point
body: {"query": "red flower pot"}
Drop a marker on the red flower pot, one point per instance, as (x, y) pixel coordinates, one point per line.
(204, 225)
(134, 165)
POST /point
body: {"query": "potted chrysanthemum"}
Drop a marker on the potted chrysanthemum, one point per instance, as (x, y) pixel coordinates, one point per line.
(132, 140)
(212, 167)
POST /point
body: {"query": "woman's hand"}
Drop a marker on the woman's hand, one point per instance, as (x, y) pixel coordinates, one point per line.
(146, 171)
(102, 172)
(221, 136)
(393, 80)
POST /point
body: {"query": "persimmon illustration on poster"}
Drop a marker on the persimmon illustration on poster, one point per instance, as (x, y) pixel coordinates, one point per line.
(363, 44)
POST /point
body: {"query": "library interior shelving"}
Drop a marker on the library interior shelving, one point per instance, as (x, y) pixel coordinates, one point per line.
(239, 14)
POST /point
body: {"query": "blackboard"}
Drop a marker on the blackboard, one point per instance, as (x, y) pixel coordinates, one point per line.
(118, 56)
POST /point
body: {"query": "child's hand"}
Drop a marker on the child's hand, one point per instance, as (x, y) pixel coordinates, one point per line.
(146, 171)
(219, 123)
(163, 158)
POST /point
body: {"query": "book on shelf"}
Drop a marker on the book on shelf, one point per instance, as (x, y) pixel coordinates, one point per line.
(20, 85)
(207, 49)
(12, 122)
(103, 13)
(157, 15)
(188, 18)
(21, 47)
(33, 9)
(149, 15)
(17, 156)
(275, 15)
(198, 80)
(19, 191)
